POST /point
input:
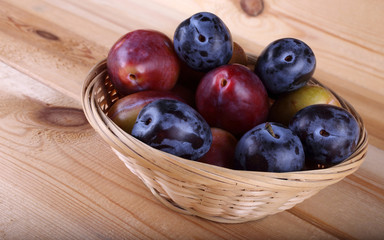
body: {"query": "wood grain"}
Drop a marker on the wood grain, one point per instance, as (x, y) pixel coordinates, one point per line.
(55, 184)
(349, 62)
(58, 179)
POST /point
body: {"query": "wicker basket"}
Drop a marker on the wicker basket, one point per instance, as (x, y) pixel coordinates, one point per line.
(207, 191)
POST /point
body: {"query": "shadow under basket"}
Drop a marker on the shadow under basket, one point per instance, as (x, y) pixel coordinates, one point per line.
(210, 192)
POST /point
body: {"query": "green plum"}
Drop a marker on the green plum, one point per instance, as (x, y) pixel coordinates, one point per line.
(286, 106)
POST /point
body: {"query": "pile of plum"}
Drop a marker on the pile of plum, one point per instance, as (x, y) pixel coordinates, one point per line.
(196, 97)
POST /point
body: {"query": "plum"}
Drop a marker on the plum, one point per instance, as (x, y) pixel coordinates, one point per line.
(238, 55)
(285, 65)
(270, 147)
(143, 60)
(203, 42)
(173, 127)
(125, 110)
(329, 133)
(185, 94)
(286, 105)
(188, 77)
(233, 98)
(222, 151)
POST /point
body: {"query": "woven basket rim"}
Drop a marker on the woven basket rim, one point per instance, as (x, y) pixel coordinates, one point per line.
(124, 137)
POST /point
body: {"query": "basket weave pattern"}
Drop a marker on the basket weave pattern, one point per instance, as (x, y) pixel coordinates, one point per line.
(207, 191)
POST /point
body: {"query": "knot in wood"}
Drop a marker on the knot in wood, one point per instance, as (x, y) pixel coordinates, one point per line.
(252, 7)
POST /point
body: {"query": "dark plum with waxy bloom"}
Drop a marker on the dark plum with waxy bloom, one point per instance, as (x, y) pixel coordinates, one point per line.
(285, 65)
(270, 147)
(173, 127)
(125, 110)
(143, 60)
(329, 133)
(203, 42)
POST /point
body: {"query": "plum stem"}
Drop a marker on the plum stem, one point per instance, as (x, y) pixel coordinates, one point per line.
(268, 126)
(324, 133)
(223, 82)
(288, 58)
(148, 121)
(132, 77)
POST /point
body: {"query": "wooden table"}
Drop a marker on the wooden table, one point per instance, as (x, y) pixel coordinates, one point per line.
(60, 180)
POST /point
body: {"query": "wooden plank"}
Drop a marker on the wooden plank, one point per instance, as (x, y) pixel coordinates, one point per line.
(58, 179)
(62, 58)
(54, 181)
(343, 59)
(349, 201)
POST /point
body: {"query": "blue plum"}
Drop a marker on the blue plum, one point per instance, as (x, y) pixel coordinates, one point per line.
(270, 147)
(329, 133)
(285, 65)
(203, 42)
(173, 127)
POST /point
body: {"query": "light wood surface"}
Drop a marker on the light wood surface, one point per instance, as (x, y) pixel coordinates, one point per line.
(60, 180)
